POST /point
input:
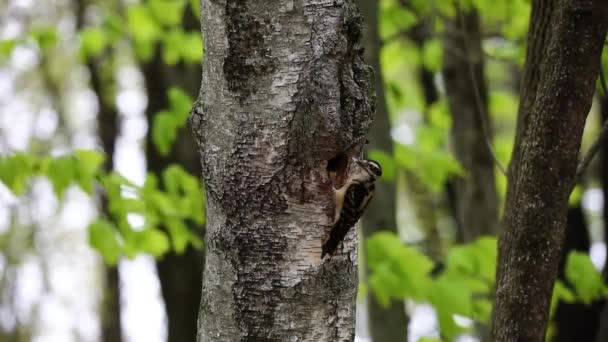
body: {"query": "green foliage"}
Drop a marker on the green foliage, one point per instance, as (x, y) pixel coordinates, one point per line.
(584, 277)
(432, 53)
(428, 157)
(61, 171)
(428, 339)
(396, 270)
(147, 25)
(93, 41)
(16, 169)
(103, 236)
(176, 207)
(167, 12)
(45, 36)
(463, 288)
(395, 20)
(465, 285)
(168, 122)
(389, 167)
(6, 47)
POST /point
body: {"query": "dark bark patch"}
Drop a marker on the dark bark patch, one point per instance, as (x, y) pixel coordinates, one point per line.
(249, 56)
(336, 169)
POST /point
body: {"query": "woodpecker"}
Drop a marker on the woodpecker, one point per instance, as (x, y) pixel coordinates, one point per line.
(351, 200)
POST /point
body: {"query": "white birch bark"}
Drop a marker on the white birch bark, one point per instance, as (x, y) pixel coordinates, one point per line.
(284, 90)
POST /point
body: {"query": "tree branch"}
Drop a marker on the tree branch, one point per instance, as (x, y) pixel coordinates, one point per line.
(595, 147)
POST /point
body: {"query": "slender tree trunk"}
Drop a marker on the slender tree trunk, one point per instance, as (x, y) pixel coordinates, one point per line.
(570, 36)
(602, 334)
(107, 126)
(385, 324)
(180, 275)
(576, 321)
(284, 91)
(475, 198)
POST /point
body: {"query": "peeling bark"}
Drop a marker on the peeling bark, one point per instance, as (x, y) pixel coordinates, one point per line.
(555, 99)
(284, 90)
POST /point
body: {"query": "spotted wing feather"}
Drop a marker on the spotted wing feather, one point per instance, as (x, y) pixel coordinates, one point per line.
(356, 199)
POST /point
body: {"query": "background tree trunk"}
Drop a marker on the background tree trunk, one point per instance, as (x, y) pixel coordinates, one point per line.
(284, 90)
(107, 127)
(570, 36)
(180, 275)
(475, 198)
(576, 321)
(385, 324)
(602, 334)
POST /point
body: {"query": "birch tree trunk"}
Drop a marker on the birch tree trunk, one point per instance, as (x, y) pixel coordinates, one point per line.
(284, 91)
(565, 42)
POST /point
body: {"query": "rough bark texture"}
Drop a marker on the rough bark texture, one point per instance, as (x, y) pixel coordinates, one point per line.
(180, 275)
(541, 175)
(576, 321)
(284, 90)
(475, 198)
(385, 324)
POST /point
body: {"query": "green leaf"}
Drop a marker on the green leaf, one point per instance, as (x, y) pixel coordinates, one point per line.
(15, 171)
(431, 54)
(585, 278)
(173, 42)
(439, 116)
(167, 123)
(167, 12)
(561, 293)
(164, 131)
(180, 104)
(114, 27)
(431, 165)
(192, 47)
(89, 163)
(45, 37)
(195, 6)
(395, 20)
(144, 30)
(152, 241)
(93, 41)
(180, 235)
(104, 238)
(476, 259)
(389, 166)
(575, 196)
(164, 204)
(62, 172)
(6, 47)
(397, 271)
(452, 295)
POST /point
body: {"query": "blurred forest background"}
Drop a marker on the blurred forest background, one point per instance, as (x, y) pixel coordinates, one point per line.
(101, 213)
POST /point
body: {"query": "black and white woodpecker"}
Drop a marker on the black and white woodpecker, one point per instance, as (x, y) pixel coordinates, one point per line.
(351, 199)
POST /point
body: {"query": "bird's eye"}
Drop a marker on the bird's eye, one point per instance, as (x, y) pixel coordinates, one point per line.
(376, 169)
